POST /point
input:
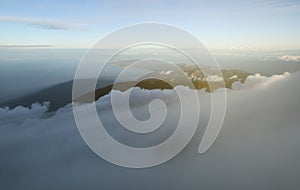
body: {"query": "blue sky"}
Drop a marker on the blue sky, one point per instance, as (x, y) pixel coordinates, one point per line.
(265, 24)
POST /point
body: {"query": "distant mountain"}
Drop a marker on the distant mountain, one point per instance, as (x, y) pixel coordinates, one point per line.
(198, 79)
(58, 95)
(61, 94)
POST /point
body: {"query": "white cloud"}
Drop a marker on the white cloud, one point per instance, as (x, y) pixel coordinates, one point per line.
(259, 140)
(258, 81)
(46, 24)
(214, 78)
(210, 78)
(166, 72)
(21, 113)
(289, 58)
(234, 77)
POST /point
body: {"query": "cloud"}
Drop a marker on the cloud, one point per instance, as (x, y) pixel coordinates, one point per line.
(282, 6)
(258, 81)
(45, 24)
(214, 78)
(166, 72)
(234, 77)
(289, 58)
(22, 113)
(259, 140)
(26, 46)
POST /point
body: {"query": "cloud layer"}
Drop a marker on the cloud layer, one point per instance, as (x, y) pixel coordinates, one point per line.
(259, 141)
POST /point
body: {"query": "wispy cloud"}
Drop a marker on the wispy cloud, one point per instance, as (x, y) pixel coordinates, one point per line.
(283, 6)
(26, 46)
(45, 24)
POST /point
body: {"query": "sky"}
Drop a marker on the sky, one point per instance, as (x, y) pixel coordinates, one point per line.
(235, 24)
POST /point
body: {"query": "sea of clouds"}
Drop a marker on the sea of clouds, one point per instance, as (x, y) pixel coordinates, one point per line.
(258, 147)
